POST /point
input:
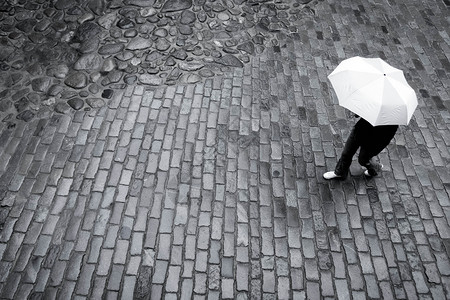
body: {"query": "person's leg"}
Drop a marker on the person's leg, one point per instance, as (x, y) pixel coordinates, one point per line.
(350, 148)
(365, 159)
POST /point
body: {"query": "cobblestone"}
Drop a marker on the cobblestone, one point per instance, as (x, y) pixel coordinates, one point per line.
(212, 187)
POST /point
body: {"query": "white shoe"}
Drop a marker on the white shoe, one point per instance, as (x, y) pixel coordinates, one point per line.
(330, 175)
(366, 172)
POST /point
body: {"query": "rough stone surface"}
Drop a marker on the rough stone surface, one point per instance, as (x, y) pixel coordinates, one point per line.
(76, 103)
(176, 5)
(187, 17)
(86, 31)
(107, 94)
(63, 4)
(6, 52)
(139, 44)
(88, 62)
(26, 115)
(109, 49)
(95, 102)
(191, 66)
(76, 80)
(62, 108)
(58, 71)
(41, 84)
(196, 171)
(97, 36)
(230, 60)
(150, 79)
(140, 3)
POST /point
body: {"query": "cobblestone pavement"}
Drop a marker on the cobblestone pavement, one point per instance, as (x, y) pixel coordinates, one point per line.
(67, 55)
(214, 190)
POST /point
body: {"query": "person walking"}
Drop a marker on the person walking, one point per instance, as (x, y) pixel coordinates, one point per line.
(371, 140)
(380, 94)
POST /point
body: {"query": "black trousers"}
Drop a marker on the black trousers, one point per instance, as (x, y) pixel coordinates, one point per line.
(364, 159)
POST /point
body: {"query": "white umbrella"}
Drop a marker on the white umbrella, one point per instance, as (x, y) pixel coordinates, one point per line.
(373, 89)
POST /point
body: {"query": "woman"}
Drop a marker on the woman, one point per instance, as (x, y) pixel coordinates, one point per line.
(372, 140)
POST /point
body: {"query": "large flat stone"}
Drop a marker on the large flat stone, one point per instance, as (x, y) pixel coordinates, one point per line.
(190, 78)
(162, 44)
(26, 25)
(150, 79)
(62, 108)
(140, 3)
(5, 104)
(109, 49)
(89, 46)
(26, 115)
(41, 84)
(190, 66)
(64, 4)
(247, 47)
(86, 31)
(98, 7)
(76, 103)
(187, 17)
(230, 61)
(76, 80)
(107, 20)
(95, 102)
(139, 43)
(58, 71)
(22, 104)
(5, 52)
(89, 62)
(176, 5)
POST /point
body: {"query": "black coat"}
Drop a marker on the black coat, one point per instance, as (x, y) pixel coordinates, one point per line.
(375, 138)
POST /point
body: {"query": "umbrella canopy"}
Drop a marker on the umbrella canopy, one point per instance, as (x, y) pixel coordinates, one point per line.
(374, 90)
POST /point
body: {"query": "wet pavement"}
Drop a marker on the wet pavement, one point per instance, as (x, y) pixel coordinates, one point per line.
(70, 57)
(175, 149)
